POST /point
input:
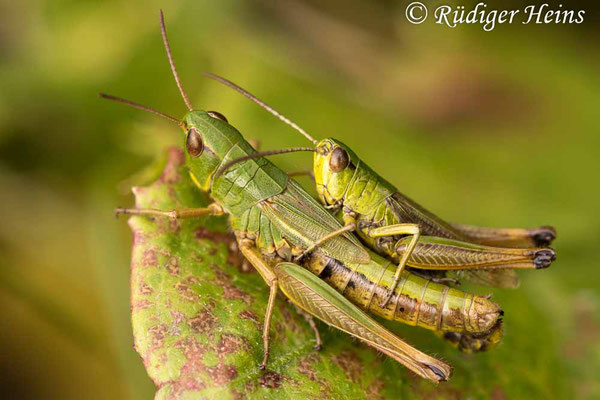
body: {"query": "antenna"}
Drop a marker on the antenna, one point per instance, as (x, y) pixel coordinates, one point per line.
(262, 104)
(141, 107)
(260, 154)
(163, 31)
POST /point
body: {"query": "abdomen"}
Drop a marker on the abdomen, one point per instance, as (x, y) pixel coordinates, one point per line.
(416, 301)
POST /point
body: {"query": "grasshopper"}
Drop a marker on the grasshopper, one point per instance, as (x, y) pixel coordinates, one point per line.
(276, 222)
(397, 227)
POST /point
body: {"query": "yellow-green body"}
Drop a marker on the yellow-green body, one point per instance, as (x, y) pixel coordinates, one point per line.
(364, 198)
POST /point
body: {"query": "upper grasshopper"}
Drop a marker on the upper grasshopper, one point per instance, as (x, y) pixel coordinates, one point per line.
(396, 226)
(277, 226)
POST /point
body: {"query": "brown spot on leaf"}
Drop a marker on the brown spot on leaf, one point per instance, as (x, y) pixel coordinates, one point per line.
(251, 385)
(222, 374)
(157, 335)
(191, 372)
(234, 257)
(229, 290)
(251, 316)
(172, 266)
(203, 322)
(305, 366)
(149, 258)
(271, 380)
(350, 363)
(186, 292)
(192, 349)
(145, 289)
(138, 238)
(190, 377)
(205, 233)
(192, 280)
(229, 343)
(177, 317)
(186, 384)
(142, 304)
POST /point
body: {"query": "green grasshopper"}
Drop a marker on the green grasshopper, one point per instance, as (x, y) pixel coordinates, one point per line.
(275, 222)
(395, 226)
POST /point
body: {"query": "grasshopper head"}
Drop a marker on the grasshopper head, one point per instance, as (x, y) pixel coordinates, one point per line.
(334, 166)
(208, 138)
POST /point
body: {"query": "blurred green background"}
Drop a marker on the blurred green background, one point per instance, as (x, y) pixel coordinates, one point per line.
(498, 128)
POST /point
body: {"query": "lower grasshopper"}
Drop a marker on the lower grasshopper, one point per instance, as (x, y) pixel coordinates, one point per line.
(275, 222)
(395, 226)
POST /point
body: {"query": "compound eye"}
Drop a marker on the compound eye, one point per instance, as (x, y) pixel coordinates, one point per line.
(339, 160)
(193, 143)
(217, 115)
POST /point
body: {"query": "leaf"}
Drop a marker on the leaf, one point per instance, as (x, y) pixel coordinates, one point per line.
(197, 317)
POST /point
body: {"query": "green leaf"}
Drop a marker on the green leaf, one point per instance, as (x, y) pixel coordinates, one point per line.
(197, 318)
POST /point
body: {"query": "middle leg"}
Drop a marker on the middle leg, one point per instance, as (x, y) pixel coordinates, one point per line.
(392, 230)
